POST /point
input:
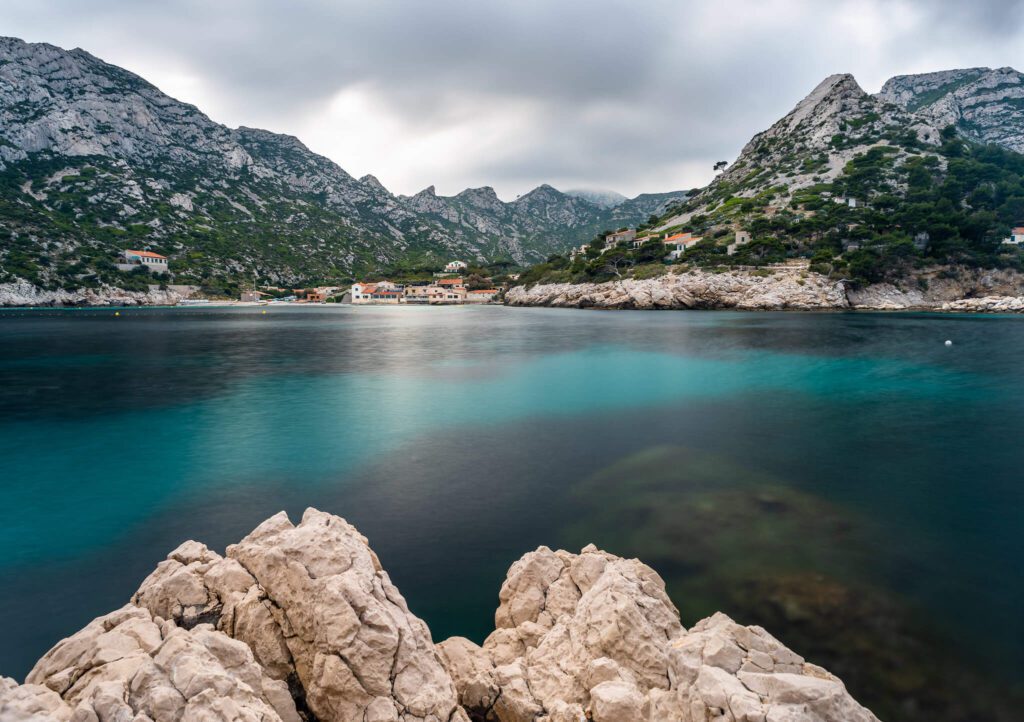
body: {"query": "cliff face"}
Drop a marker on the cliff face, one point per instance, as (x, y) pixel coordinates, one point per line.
(982, 103)
(784, 289)
(302, 623)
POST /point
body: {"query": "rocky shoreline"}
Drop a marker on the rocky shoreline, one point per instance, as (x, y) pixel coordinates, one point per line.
(792, 288)
(301, 622)
(24, 294)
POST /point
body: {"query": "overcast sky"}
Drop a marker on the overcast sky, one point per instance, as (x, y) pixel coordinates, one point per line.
(631, 95)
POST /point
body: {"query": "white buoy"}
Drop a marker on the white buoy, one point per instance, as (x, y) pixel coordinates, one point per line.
(948, 342)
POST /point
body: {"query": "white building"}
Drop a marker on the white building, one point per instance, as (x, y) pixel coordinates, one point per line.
(1016, 236)
(613, 239)
(154, 262)
(456, 267)
(677, 244)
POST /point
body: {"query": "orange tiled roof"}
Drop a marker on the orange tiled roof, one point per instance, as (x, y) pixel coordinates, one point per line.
(486, 290)
(1018, 231)
(146, 254)
(450, 282)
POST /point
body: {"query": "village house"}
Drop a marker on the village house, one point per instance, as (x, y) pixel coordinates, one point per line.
(482, 295)
(448, 294)
(678, 243)
(456, 267)
(420, 294)
(613, 239)
(578, 251)
(154, 262)
(1016, 236)
(638, 242)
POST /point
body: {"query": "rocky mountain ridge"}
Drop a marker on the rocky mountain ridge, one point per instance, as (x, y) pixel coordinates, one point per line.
(94, 159)
(301, 622)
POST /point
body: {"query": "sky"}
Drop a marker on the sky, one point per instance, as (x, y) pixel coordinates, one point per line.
(635, 96)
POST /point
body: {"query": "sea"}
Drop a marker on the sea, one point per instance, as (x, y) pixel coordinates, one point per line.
(850, 481)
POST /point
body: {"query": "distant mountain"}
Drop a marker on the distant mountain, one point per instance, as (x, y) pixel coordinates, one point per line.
(603, 198)
(94, 159)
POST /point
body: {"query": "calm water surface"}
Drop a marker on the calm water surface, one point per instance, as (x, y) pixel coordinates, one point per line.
(846, 480)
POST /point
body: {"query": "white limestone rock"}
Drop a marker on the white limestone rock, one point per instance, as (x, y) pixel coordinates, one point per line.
(315, 607)
(591, 636)
(130, 665)
(30, 703)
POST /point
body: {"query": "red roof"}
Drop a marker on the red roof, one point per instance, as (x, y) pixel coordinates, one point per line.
(486, 290)
(1018, 231)
(146, 254)
(450, 282)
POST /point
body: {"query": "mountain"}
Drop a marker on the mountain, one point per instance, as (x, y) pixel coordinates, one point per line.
(603, 198)
(94, 159)
(866, 188)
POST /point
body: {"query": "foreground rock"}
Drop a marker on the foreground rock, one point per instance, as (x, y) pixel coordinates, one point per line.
(302, 623)
(317, 610)
(789, 288)
(128, 663)
(592, 636)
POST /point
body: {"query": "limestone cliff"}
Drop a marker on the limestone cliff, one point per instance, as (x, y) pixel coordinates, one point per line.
(302, 623)
(786, 288)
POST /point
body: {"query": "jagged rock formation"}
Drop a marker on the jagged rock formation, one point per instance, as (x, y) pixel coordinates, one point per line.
(318, 611)
(128, 663)
(592, 636)
(302, 623)
(92, 158)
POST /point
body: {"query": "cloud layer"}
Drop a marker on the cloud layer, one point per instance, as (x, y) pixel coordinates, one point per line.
(638, 96)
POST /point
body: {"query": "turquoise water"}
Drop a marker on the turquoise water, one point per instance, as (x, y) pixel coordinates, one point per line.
(806, 471)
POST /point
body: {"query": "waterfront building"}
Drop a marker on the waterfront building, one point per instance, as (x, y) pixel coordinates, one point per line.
(485, 295)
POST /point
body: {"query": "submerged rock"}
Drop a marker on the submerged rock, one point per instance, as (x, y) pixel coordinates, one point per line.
(302, 623)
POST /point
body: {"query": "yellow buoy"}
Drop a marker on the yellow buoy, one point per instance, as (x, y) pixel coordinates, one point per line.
(117, 313)
(262, 311)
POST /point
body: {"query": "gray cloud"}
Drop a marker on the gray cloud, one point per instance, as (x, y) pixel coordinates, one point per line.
(635, 96)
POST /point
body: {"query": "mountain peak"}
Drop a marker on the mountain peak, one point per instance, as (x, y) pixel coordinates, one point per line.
(372, 181)
(831, 96)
